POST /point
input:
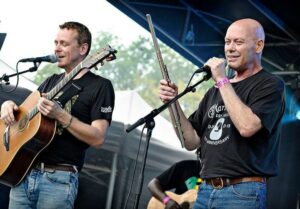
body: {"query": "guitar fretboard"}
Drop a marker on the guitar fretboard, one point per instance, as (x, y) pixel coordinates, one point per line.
(88, 63)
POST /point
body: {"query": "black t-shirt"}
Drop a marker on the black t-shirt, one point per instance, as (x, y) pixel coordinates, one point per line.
(223, 151)
(94, 101)
(177, 176)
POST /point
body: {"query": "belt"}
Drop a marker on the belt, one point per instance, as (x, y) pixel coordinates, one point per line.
(219, 183)
(52, 168)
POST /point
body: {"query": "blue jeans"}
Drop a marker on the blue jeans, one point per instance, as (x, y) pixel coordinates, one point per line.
(45, 190)
(247, 195)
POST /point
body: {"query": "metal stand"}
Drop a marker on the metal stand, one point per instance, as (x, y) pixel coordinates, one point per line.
(150, 124)
(5, 77)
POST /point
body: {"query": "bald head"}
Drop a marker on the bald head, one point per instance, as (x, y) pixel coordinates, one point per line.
(251, 27)
(244, 43)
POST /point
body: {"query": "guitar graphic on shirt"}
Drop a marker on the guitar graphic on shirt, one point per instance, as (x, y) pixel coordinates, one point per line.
(216, 132)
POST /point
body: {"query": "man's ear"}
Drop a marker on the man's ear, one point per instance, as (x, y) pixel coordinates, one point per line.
(259, 46)
(83, 48)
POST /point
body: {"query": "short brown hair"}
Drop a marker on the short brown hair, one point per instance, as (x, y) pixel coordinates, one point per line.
(84, 34)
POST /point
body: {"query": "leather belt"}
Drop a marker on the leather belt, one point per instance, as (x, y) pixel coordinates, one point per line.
(52, 168)
(219, 183)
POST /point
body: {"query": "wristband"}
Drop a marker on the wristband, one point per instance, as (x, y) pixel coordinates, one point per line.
(222, 82)
(166, 200)
(70, 121)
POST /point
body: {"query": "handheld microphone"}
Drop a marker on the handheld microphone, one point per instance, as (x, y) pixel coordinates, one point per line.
(204, 69)
(49, 58)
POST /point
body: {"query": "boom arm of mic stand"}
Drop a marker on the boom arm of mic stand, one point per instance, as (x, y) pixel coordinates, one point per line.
(6, 77)
(155, 112)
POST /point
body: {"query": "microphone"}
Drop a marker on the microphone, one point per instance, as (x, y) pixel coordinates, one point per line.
(204, 69)
(49, 58)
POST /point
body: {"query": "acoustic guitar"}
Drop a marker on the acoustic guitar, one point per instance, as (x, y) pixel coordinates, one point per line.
(22, 142)
(185, 200)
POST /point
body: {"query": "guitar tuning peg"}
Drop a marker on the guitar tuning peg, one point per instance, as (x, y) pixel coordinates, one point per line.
(96, 67)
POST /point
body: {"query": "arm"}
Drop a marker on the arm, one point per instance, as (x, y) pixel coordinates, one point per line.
(168, 92)
(157, 191)
(245, 121)
(7, 112)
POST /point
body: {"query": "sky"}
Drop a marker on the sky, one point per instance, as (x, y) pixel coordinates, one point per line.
(31, 25)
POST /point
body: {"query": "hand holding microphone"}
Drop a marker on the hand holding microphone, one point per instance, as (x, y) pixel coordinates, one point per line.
(216, 67)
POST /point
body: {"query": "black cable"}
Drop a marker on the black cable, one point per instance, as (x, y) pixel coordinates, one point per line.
(134, 168)
(190, 82)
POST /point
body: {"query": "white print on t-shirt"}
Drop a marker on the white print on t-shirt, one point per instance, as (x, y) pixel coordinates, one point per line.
(106, 109)
(215, 109)
(218, 133)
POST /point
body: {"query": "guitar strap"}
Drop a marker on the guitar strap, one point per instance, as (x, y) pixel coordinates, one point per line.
(67, 93)
(73, 88)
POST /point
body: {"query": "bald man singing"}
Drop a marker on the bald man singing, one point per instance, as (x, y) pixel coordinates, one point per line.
(237, 123)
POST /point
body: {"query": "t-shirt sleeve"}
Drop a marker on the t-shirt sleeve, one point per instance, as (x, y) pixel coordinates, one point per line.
(268, 103)
(43, 85)
(177, 174)
(104, 103)
(167, 179)
(49, 83)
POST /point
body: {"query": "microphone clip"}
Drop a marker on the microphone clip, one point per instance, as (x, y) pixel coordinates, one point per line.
(205, 69)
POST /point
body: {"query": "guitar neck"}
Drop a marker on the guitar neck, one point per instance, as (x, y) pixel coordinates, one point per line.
(89, 62)
(50, 95)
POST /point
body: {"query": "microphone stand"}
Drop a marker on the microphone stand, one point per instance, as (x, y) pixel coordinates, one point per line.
(150, 124)
(5, 77)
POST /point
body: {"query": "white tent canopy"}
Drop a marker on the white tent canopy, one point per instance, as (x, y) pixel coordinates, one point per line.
(129, 107)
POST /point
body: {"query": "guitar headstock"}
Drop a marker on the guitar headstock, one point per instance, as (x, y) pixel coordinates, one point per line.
(104, 54)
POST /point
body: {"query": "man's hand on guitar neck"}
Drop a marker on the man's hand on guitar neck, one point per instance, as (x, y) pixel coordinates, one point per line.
(7, 112)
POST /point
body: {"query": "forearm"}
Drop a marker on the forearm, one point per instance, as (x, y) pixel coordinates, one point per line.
(245, 121)
(156, 190)
(93, 134)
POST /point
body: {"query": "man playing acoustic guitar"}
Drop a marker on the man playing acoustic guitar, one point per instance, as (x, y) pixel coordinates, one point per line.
(184, 177)
(83, 112)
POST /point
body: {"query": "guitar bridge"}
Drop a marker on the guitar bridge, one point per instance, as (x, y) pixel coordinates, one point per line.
(6, 138)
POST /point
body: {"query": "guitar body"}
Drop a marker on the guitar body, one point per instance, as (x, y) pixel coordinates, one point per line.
(27, 138)
(186, 200)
